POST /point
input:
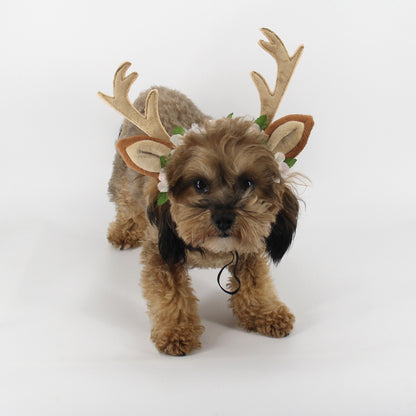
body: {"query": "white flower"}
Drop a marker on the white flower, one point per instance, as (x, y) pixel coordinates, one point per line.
(254, 129)
(284, 168)
(280, 157)
(163, 186)
(176, 139)
(195, 128)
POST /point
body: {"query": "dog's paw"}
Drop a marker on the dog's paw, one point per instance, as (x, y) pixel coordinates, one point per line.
(177, 341)
(277, 323)
(124, 237)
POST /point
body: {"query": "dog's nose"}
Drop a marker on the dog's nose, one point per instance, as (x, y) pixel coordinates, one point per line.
(223, 221)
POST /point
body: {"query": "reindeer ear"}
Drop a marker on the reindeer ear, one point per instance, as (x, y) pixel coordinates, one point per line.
(289, 134)
(142, 153)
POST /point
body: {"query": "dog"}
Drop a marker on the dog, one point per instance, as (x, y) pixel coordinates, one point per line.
(198, 192)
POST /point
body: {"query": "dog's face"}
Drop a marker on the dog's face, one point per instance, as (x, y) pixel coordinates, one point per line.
(225, 194)
(224, 191)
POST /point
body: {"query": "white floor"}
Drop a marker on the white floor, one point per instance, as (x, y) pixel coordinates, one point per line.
(75, 335)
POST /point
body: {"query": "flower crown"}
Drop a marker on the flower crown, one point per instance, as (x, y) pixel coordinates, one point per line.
(285, 164)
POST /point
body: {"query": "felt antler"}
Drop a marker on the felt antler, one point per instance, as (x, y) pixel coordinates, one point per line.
(289, 134)
(141, 153)
(286, 66)
(150, 123)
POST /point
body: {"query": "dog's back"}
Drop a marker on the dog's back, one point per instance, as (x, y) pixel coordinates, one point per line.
(175, 109)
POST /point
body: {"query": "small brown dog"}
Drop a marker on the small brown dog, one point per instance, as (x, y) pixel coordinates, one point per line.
(214, 192)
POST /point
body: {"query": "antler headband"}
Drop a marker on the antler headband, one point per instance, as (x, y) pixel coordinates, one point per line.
(287, 135)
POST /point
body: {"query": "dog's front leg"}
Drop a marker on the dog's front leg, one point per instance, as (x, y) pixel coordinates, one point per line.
(256, 304)
(173, 309)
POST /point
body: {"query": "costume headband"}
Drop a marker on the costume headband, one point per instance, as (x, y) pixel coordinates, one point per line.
(287, 135)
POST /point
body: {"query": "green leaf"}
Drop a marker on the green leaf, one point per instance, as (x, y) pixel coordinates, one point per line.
(230, 115)
(290, 161)
(262, 121)
(178, 130)
(162, 198)
(163, 161)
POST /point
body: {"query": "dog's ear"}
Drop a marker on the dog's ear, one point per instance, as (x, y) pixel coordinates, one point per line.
(171, 247)
(289, 134)
(283, 229)
(143, 153)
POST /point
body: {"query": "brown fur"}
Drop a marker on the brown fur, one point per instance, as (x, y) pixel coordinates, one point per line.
(256, 304)
(227, 155)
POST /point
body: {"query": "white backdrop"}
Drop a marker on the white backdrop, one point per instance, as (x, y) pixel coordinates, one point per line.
(74, 335)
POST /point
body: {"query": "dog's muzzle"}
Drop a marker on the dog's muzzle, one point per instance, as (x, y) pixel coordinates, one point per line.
(223, 221)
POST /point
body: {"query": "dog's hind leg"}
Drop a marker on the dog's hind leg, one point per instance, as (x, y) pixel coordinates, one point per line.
(173, 307)
(256, 304)
(127, 230)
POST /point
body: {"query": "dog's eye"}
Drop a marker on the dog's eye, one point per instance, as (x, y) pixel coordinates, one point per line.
(247, 183)
(201, 186)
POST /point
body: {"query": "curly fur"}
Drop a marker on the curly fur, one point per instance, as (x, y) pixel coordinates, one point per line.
(243, 190)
